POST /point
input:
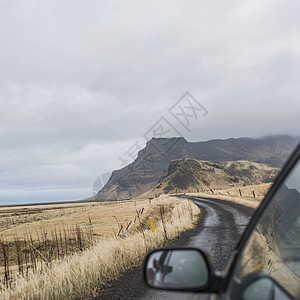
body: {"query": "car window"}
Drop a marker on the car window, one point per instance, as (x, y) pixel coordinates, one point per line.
(273, 248)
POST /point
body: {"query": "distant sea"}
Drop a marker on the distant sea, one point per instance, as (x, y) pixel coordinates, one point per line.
(19, 196)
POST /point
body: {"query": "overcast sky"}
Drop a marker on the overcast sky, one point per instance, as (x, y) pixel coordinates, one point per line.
(82, 81)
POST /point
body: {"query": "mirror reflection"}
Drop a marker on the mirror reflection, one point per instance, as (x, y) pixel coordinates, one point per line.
(179, 268)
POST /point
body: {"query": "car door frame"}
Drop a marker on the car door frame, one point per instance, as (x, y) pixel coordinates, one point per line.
(288, 166)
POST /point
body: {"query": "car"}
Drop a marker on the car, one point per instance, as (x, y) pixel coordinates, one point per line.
(265, 263)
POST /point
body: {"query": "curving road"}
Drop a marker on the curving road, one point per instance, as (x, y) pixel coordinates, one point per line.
(224, 223)
(218, 231)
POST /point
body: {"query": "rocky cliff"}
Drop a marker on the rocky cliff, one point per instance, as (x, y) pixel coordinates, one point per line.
(145, 171)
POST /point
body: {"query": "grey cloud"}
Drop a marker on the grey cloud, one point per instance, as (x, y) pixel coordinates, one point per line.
(80, 83)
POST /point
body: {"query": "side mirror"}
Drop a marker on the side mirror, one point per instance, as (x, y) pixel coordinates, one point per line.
(177, 269)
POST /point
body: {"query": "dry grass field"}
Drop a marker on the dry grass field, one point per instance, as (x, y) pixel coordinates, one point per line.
(103, 215)
(66, 228)
(250, 195)
(69, 251)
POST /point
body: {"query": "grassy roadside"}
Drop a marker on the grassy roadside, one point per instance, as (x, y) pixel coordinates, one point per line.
(80, 275)
(250, 196)
(30, 235)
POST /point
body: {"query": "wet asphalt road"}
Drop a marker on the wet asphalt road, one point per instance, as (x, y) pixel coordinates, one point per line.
(217, 232)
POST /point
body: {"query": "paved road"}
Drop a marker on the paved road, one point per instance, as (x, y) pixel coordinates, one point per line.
(217, 232)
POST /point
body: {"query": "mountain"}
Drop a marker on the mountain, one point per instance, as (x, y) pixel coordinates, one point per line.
(145, 171)
(184, 175)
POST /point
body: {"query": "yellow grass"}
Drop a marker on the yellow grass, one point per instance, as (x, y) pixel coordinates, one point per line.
(233, 194)
(104, 216)
(83, 274)
(34, 221)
